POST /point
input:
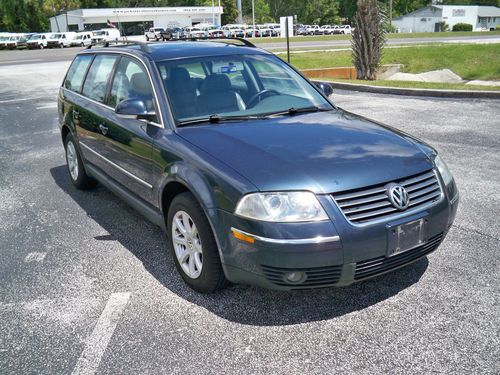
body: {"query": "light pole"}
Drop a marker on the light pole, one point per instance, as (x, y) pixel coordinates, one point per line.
(213, 13)
(390, 11)
(253, 17)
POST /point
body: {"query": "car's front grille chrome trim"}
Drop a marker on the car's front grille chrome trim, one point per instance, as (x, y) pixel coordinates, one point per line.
(372, 204)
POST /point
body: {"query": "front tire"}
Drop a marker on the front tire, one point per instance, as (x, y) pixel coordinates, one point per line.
(193, 246)
(76, 170)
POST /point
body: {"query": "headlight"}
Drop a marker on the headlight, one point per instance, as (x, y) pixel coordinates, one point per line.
(281, 207)
(443, 170)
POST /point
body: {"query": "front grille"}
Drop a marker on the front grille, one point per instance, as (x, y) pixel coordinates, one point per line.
(365, 205)
(373, 267)
(316, 277)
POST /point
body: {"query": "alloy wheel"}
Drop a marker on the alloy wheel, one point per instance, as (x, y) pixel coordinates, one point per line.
(187, 244)
(72, 160)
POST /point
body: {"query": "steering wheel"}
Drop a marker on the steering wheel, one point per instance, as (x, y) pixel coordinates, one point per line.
(259, 96)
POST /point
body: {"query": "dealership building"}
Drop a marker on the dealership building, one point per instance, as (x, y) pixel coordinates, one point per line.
(482, 18)
(134, 21)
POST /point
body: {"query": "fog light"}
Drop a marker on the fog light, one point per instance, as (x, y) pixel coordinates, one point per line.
(295, 277)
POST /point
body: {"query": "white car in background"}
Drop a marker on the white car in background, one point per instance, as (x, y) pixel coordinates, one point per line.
(105, 35)
(346, 29)
(196, 32)
(82, 39)
(38, 41)
(11, 42)
(234, 31)
(60, 40)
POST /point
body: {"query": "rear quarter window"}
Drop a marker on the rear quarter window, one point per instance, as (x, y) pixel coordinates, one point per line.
(76, 73)
(97, 79)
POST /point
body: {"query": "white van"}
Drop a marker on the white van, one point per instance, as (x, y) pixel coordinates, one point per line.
(105, 35)
(38, 41)
(60, 40)
(82, 39)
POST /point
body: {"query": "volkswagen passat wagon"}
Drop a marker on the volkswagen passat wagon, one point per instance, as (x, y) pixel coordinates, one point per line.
(253, 173)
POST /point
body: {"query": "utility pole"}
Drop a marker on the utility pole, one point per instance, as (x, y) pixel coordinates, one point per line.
(213, 13)
(253, 17)
(390, 11)
(240, 12)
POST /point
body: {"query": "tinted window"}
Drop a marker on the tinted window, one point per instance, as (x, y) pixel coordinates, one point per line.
(76, 73)
(131, 82)
(98, 76)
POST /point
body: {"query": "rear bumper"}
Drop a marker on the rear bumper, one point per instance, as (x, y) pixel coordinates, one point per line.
(329, 253)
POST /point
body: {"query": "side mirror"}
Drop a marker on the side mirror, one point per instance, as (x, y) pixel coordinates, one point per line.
(325, 88)
(134, 109)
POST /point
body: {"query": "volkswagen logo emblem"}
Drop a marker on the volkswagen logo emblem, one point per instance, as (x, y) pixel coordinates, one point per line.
(398, 196)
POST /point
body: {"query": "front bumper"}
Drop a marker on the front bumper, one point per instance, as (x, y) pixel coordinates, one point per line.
(328, 253)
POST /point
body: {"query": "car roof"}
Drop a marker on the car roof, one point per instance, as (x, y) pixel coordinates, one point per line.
(182, 49)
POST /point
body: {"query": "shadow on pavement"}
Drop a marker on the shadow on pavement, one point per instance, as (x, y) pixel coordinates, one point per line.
(237, 303)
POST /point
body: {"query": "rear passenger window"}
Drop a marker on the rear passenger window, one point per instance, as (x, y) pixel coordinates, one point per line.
(76, 72)
(98, 76)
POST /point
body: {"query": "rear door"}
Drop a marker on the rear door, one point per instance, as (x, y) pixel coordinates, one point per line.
(91, 111)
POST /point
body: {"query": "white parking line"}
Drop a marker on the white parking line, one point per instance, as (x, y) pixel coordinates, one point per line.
(35, 257)
(97, 342)
(20, 61)
(50, 105)
(19, 100)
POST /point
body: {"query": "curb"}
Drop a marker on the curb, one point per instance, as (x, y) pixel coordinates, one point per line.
(415, 92)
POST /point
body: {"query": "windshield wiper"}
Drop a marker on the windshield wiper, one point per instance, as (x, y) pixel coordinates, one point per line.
(215, 119)
(293, 111)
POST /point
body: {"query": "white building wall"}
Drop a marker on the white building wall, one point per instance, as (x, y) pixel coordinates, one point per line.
(416, 24)
(180, 16)
(461, 14)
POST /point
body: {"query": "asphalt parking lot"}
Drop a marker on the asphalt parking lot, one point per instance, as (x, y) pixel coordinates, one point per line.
(86, 284)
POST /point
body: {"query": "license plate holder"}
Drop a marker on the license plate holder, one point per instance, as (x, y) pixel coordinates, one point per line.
(405, 237)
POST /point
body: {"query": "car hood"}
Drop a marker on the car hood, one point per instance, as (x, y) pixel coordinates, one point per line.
(322, 152)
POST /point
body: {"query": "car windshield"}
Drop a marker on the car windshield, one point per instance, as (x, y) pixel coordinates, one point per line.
(236, 86)
(56, 36)
(99, 33)
(34, 37)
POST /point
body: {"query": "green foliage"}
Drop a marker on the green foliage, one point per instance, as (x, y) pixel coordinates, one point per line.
(443, 26)
(462, 27)
(368, 38)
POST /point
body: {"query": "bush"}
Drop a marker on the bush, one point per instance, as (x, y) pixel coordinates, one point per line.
(498, 27)
(462, 27)
(443, 26)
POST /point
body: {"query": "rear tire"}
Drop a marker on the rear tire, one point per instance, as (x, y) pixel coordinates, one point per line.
(74, 162)
(193, 246)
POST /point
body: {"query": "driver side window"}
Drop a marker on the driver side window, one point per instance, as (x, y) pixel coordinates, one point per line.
(131, 82)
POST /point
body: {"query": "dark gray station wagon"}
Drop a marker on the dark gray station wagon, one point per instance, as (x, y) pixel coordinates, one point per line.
(254, 174)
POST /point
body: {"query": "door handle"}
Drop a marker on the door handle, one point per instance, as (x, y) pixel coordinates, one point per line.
(76, 114)
(104, 129)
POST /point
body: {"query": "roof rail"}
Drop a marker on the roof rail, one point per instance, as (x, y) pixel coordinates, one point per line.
(246, 42)
(143, 45)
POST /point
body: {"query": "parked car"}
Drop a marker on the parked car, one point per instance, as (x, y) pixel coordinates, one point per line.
(275, 28)
(154, 33)
(257, 178)
(346, 29)
(38, 41)
(3, 40)
(106, 35)
(314, 30)
(335, 30)
(216, 33)
(13, 41)
(235, 31)
(303, 30)
(60, 40)
(82, 39)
